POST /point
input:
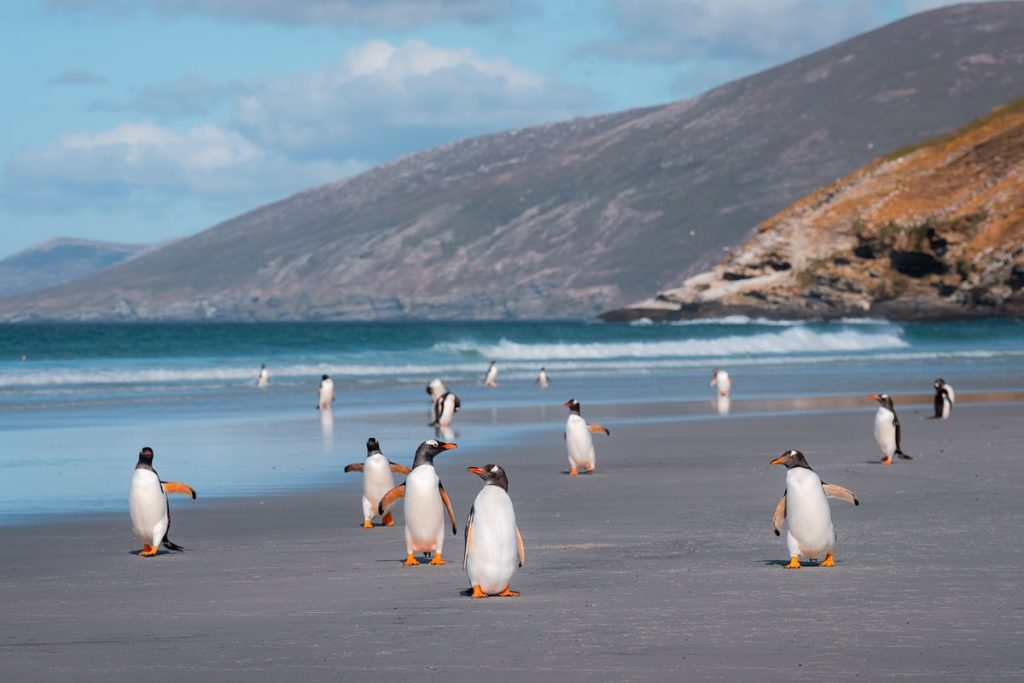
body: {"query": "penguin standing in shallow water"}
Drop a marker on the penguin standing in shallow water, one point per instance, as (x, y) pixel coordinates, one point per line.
(887, 429)
(722, 379)
(491, 378)
(425, 504)
(543, 381)
(264, 379)
(804, 507)
(148, 507)
(325, 394)
(578, 441)
(377, 481)
(944, 398)
(494, 546)
(445, 409)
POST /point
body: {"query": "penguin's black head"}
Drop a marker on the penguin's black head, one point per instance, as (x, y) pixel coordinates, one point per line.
(791, 459)
(146, 456)
(573, 405)
(372, 446)
(323, 377)
(492, 475)
(428, 449)
(714, 372)
(884, 400)
(939, 383)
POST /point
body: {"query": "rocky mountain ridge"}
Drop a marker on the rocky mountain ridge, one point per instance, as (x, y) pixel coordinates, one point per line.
(60, 260)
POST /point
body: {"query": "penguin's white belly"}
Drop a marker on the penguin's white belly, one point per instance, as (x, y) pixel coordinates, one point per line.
(947, 406)
(147, 506)
(808, 515)
(493, 555)
(724, 383)
(579, 442)
(377, 479)
(885, 432)
(447, 412)
(424, 512)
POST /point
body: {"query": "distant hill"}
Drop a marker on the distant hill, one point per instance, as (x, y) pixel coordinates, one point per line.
(930, 231)
(570, 219)
(60, 260)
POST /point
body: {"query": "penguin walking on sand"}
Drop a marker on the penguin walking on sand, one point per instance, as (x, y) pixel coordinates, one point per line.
(887, 429)
(491, 378)
(377, 480)
(543, 381)
(325, 394)
(578, 441)
(264, 378)
(445, 409)
(805, 509)
(722, 379)
(148, 507)
(944, 398)
(425, 505)
(494, 546)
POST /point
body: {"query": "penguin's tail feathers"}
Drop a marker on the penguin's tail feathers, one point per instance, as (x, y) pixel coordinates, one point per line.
(903, 455)
(171, 545)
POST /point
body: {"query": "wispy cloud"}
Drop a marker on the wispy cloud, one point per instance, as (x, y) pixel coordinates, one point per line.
(76, 77)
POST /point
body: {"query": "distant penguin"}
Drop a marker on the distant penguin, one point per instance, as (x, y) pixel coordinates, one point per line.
(425, 504)
(494, 546)
(804, 507)
(264, 379)
(325, 394)
(543, 381)
(377, 481)
(148, 507)
(944, 398)
(436, 389)
(445, 409)
(722, 379)
(490, 379)
(887, 429)
(578, 441)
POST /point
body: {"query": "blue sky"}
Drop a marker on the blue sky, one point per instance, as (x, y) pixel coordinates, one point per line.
(143, 120)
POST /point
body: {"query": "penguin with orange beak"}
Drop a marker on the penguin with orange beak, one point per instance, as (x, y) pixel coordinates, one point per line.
(578, 441)
(887, 429)
(148, 507)
(494, 546)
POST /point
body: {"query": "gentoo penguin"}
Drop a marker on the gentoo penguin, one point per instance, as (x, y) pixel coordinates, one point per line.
(425, 504)
(436, 389)
(578, 441)
(445, 409)
(494, 546)
(543, 381)
(722, 379)
(148, 506)
(887, 429)
(377, 480)
(944, 398)
(325, 394)
(804, 506)
(490, 379)
(264, 379)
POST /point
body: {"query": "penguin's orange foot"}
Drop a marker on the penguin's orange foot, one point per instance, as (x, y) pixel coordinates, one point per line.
(367, 524)
(437, 560)
(573, 472)
(478, 592)
(794, 563)
(148, 550)
(508, 593)
(410, 561)
(389, 520)
(828, 561)
(887, 460)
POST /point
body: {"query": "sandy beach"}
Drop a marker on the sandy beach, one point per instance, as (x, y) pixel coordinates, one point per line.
(661, 564)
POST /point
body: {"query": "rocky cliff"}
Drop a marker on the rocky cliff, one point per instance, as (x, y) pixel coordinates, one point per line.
(570, 219)
(930, 231)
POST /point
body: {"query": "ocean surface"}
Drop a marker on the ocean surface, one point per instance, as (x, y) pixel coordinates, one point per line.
(77, 402)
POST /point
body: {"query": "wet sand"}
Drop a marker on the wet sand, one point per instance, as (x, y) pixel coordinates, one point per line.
(662, 564)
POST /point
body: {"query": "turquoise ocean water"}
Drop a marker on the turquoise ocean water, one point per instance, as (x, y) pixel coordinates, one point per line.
(78, 401)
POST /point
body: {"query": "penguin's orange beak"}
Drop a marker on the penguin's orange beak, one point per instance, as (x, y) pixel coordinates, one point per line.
(874, 396)
(447, 446)
(567, 404)
(477, 471)
(781, 460)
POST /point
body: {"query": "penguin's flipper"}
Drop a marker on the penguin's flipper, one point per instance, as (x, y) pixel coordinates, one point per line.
(598, 429)
(354, 467)
(171, 545)
(839, 493)
(400, 469)
(467, 537)
(390, 497)
(178, 487)
(780, 516)
(448, 505)
(520, 549)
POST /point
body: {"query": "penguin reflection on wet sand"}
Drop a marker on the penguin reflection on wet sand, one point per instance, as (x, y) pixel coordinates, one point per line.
(148, 507)
(887, 429)
(578, 441)
(805, 509)
(377, 480)
(944, 398)
(494, 546)
(425, 504)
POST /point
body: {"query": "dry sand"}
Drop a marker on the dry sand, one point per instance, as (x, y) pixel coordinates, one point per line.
(661, 565)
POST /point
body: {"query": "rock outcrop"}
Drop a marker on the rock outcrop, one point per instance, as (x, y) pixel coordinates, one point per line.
(930, 231)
